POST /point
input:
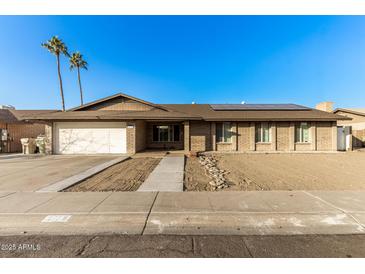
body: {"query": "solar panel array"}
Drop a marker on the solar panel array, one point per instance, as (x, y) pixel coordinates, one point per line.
(258, 107)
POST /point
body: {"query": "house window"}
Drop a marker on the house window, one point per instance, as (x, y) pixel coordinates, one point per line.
(223, 132)
(166, 133)
(302, 133)
(263, 133)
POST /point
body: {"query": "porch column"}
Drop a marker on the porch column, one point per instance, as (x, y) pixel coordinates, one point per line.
(273, 136)
(213, 132)
(292, 136)
(334, 136)
(252, 136)
(314, 135)
(186, 136)
(237, 136)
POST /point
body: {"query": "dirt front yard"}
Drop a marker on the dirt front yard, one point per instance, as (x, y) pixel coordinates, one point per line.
(125, 176)
(337, 171)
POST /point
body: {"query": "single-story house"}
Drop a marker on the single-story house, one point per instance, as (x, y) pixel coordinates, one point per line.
(13, 128)
(124, 124)
(357, 124)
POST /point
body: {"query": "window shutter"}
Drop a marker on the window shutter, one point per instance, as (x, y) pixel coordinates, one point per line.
(155, 134)
(176, 133)
(258, 132)
(219, 133)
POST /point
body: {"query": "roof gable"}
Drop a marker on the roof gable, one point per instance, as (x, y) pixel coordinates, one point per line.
(119, 101)
(354, 111)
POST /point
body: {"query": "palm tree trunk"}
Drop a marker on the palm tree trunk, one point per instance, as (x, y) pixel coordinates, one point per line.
(60, 79)
(78, 75)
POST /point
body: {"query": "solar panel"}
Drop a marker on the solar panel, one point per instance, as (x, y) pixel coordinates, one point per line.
(258, 107)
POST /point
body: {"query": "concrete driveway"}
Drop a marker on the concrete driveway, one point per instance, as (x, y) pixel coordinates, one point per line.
(33, 173)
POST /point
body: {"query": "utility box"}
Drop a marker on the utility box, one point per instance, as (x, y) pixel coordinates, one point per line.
(41, 144)
(344, 138)
(4, 135)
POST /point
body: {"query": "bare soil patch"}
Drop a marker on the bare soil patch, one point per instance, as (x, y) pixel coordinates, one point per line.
(196, 177)
(125, 176)
(342, 171)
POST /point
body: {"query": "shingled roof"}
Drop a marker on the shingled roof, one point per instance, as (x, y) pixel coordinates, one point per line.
(153, 114)
(12, 116)
(206, 112)
(356, 111)
(261, 112)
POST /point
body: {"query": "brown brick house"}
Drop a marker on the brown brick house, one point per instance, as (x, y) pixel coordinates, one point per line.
(124, 124)
(13, 128)
(357, 124)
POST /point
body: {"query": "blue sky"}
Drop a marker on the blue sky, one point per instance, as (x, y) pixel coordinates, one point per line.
(180, 59)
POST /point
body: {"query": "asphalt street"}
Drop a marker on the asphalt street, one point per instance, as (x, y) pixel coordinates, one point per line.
(170, 246)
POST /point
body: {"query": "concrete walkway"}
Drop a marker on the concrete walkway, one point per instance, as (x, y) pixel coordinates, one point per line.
(167, 176)
(32, 173)
(184, 213)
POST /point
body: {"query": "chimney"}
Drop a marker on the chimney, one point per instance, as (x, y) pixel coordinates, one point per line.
(325, 106)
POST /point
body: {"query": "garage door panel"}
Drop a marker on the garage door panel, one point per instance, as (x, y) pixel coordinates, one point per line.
(90, 138)
(119, 140)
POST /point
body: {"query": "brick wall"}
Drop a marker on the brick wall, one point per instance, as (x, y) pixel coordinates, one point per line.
(324, 136)
(18, 131)
(200, 136)
(131, 138)
(244, 137)
(263, 147)
(49, 138)
(282, 136)
(141, 132)
(303, 147)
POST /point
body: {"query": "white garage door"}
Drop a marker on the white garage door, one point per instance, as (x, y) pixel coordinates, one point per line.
(90, 137)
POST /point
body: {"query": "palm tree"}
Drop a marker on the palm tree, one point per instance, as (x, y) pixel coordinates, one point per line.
(57, 47)
(76, 61)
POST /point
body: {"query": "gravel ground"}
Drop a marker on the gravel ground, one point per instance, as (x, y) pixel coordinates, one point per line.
(338, 171)
(125, 176)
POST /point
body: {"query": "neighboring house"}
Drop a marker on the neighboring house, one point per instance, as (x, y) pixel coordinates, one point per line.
(357, 124)
(13, 128)
(124, 124)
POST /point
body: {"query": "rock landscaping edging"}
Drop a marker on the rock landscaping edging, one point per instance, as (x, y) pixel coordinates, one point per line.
(217, 175)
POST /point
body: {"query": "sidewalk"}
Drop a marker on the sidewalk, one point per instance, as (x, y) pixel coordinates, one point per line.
(183, 213)
(167, 176)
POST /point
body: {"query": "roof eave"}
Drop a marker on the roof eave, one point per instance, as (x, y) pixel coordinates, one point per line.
(110, 118)
(349, 111)
(274, 119)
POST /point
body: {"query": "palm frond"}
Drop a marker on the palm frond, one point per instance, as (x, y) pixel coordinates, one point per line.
(56, 46)
(77, 61)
